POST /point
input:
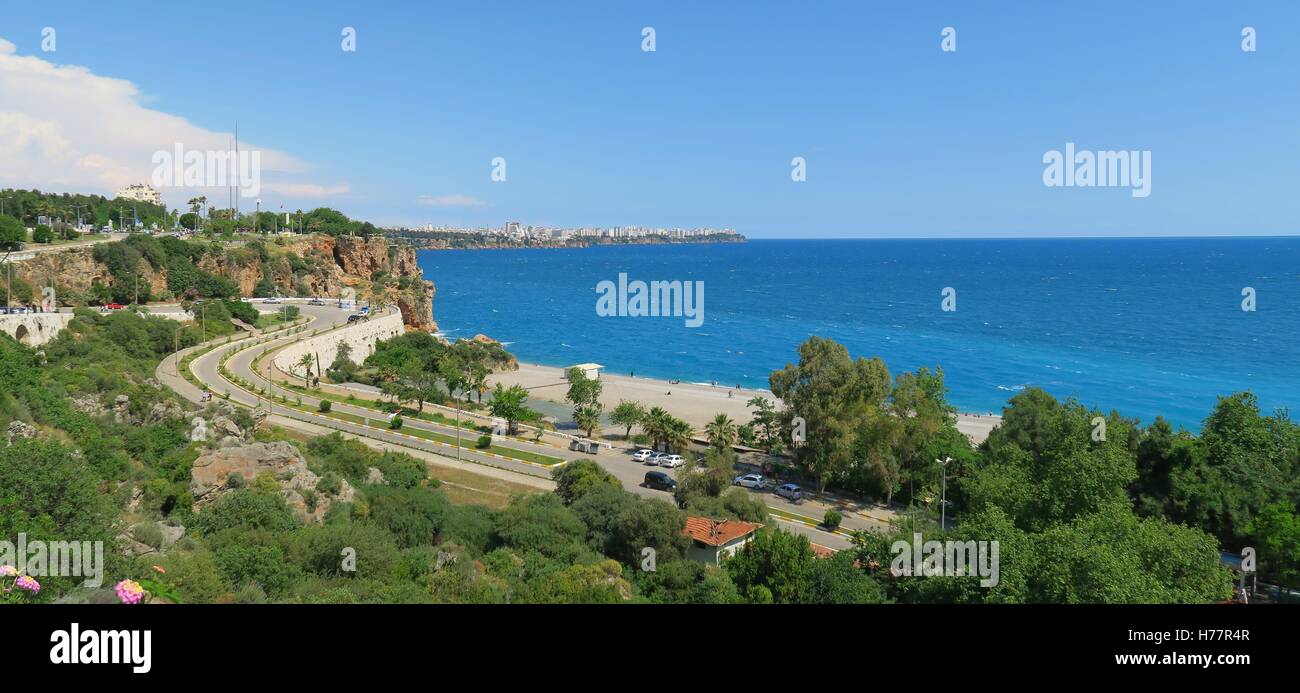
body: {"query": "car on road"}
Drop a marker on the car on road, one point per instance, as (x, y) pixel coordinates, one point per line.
(315, 302)
(671, 461)
(355, 317)
(642, 455)
(365, 310)
(750, 481)
(790, 492)
(114, 306)
(271, 299)
(661, 481)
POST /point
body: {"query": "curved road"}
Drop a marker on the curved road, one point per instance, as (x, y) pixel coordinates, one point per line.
(617, 461)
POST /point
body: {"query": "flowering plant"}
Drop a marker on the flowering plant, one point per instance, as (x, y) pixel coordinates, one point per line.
(146, 590)
(16, 587)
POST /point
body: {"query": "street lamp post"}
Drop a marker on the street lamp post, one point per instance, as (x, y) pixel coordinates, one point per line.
(943, 498)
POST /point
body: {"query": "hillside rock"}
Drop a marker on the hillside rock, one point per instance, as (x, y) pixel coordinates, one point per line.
(87, 404)
(306, 265)
(212, 470)
(19, 429)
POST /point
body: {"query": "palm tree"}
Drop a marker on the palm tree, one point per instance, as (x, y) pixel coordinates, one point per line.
(655, 425)
(196, 204)
(722, 432)
(587, 418)
(678, 435)
(306, 362)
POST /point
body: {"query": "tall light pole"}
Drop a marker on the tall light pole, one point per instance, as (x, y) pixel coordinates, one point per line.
(943, 498)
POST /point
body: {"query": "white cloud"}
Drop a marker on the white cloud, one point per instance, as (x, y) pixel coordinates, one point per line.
(64, 128)
(449, 201)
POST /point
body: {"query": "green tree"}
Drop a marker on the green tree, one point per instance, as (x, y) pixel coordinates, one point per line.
(779, 562)
(1276, 535)
(12, 233)
(509, 403)
(832, 394)
(579, 477)
(767, 423)
(628, 414)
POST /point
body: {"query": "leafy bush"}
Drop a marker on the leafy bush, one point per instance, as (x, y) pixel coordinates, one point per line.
(483, 442)
(396, 423)
(325, 405)
(148, 533)
(832, 519)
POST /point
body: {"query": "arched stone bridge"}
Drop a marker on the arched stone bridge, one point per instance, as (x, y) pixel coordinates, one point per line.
(34, 329)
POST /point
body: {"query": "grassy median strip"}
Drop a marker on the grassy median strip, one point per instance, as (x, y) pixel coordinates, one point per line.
(791, 517)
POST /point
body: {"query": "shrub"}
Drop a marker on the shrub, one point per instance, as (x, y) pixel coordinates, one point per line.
(832, 519)
(396, 423)
(147, 533)
(484, 442)
(325, 405)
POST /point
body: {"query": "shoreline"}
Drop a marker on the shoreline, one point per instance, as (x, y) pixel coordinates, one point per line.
(562, 247)
(695, 403)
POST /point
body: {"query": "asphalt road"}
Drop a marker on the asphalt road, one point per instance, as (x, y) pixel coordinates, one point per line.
(617, 460)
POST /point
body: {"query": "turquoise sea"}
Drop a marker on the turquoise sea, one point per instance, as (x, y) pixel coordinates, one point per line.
(1144, 326)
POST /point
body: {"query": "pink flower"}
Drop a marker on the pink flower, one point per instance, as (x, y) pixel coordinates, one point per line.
(29, 584)
(8, 571)
(129, 591)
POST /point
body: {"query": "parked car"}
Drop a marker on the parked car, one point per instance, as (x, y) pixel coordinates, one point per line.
(671, 461)
(114, 306)
(271, 299)
(790, 492)
(315, 302)
(661, 481)
(657, 458)
(642, 455)
(750, 481)
(355, 317)
(365, 310)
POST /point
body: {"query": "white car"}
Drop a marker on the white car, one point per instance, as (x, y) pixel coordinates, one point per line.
(642, 455)
(750, 481)
(271, 299)
(656, 458)
(671, 461)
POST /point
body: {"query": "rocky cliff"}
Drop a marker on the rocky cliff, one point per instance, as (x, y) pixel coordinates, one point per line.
(310, 265)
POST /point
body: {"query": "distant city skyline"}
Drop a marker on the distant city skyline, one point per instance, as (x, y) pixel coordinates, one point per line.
(835, 120)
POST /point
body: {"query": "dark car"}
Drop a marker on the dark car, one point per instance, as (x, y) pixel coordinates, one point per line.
(355, 317)
(790, 492)
(661, 481)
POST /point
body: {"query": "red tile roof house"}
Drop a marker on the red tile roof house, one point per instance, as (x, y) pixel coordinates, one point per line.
(712, 539)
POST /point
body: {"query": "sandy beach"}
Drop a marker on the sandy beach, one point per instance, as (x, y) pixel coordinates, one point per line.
(693, 402)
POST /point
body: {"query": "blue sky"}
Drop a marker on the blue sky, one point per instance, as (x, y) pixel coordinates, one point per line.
(901, 139)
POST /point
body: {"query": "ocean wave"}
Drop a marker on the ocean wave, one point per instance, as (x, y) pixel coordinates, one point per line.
(1012, 388)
